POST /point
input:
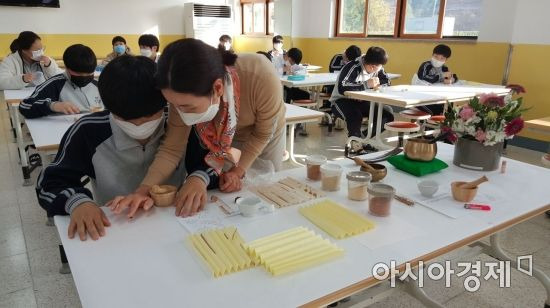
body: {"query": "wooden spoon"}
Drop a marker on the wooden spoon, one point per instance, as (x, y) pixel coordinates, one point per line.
(474, 184)
(363, 164)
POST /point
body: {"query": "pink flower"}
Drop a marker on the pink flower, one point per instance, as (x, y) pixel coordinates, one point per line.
(516, 88)
(492, 100)
(514, 127)
(466, 113)
(481, 135)
(452, 137)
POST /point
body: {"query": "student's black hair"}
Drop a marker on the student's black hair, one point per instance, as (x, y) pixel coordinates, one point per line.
(277, 39)
(225, 38)
(128, 89)
(353, 52)
(80, 59)
(191, 66)
(149, 40)
(24, 41)
(265, 54)
(118, 38)
(375, 56)
(443, 50)
(295, 54)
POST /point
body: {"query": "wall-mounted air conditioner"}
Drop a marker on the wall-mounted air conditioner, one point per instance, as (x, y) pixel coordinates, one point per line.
(207, 22)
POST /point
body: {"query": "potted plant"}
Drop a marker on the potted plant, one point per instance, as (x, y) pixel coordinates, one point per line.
(479, 128)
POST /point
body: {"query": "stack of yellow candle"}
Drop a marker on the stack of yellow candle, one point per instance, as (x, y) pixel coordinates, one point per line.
(292, 250)
(336, 220)
(222, 251)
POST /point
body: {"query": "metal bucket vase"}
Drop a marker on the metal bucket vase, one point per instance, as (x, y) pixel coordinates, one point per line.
(473, 155)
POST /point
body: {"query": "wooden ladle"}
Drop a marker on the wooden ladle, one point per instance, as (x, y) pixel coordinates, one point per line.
(474, 184)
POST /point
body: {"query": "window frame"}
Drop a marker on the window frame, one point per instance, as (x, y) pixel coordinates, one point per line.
(267, 31)
(399, 24)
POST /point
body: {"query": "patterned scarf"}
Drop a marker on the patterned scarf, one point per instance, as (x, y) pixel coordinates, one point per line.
(218, 134)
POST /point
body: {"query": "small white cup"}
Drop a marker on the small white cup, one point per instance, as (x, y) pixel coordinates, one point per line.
(428, 188)
(249, 206)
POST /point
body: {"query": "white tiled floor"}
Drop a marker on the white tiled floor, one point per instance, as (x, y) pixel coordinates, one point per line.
(29, 257)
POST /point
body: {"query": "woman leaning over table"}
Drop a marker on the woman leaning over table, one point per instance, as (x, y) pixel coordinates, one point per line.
(202, 84)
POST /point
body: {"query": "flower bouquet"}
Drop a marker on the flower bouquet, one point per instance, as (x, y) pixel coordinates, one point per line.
(480, 128)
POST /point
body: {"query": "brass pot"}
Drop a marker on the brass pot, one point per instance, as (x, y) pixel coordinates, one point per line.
(420, 149)
(378, 173)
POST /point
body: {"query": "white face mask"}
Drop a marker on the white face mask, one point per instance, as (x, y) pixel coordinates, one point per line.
(140, 132)
(437, 63)
(287, 63)
(37, 54)
(146, 52)
(196, 118)
(227, 46)
(278, 47)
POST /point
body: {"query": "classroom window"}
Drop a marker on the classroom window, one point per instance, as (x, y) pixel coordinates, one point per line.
(408, 18)
(257, 17)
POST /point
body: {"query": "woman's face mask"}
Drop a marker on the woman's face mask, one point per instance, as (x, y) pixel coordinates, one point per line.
(195, 118)
(437, 63)
(37, 54)
(138, 132)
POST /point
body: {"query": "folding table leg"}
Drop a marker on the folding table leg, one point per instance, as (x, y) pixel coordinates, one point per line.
(65, 268)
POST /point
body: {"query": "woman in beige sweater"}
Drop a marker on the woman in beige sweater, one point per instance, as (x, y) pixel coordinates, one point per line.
(219, 102)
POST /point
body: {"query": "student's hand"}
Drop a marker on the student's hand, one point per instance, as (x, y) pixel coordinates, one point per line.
(64, 107)
(231, 181)
(373, 82)
(28, 77)
(139, 199)
(191, 198)
(88, 218)
(45, 60)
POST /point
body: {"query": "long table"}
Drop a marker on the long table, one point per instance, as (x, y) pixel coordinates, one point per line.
(12, 99)
(148, 262)
(409, 96)
(319, 79)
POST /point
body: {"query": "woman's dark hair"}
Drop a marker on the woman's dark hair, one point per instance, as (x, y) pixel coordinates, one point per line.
(127, 87)
(265, 54)
(277, 39)
(24, 41)
(80, 59)
(376, 56)
(117, 39)
(353, 52)
(148, 40)
(192, 66)
(295, 54)
(443, 50)
(225, 38)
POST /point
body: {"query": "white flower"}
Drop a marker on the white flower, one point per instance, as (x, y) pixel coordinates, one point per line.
(494, 137)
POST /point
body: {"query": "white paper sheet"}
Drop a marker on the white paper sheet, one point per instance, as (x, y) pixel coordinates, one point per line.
(389, 230)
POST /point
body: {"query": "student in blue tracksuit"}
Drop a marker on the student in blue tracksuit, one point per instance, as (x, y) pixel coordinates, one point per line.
(114, 148)
(74, 91)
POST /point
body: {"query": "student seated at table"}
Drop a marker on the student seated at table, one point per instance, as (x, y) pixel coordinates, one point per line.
(119, 48)
(114, 148)
(338, 61)
(435, 71)
(365, 72)
(225, 42)
(149, 46)
(27, 65)
(71, 92)
(293, 58)
(277, 54)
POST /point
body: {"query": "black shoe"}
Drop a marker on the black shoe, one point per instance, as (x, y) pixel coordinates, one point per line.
(369, 148)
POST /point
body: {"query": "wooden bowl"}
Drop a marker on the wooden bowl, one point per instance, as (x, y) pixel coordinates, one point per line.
(462, 194)
(163, 195)
(420, 149)
(377, 175)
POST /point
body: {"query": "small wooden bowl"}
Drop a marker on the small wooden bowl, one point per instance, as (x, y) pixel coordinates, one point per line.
(380, 172)
(163, 195)
(462, 194)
